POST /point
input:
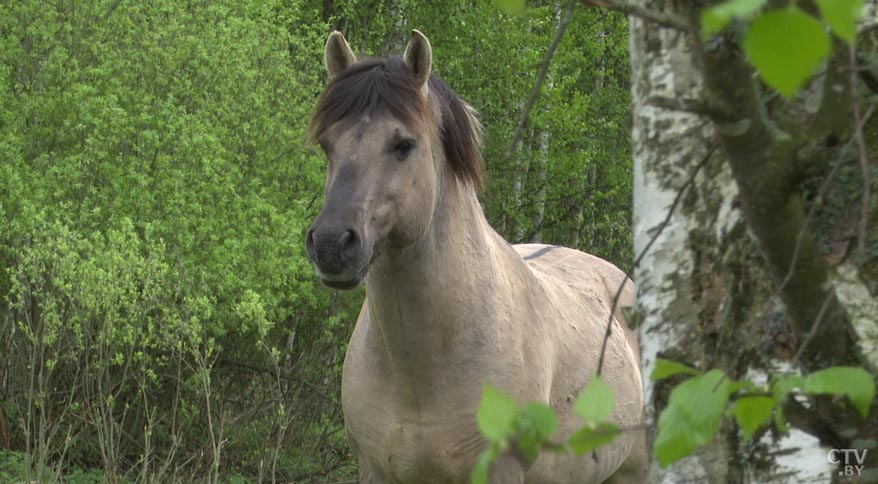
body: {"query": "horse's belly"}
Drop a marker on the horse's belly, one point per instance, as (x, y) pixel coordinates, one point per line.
(590, 468)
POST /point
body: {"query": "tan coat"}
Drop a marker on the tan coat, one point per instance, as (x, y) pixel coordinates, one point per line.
(450, 305)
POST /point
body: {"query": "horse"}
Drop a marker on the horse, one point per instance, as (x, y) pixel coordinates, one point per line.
(450, 305)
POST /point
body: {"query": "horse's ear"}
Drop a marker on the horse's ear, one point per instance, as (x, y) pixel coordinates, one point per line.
(338, 55)
(418, 57)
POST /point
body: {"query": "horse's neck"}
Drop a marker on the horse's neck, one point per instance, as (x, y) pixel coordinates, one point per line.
(432, 300)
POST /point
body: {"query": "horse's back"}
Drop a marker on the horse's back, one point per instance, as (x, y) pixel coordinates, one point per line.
(582, 272)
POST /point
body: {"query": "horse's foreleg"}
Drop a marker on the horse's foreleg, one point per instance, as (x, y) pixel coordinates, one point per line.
(508, 469)
(370, 475)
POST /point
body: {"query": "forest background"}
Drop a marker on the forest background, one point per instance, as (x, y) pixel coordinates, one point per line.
(159, 318)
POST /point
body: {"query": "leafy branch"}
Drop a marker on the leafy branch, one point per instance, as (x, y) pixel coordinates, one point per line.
(530, 428)
(690, 420)
(697, 405)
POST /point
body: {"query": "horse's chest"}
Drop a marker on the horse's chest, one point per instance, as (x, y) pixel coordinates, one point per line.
(410, 449)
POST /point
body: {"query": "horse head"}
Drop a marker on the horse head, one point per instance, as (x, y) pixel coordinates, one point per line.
(393, 134)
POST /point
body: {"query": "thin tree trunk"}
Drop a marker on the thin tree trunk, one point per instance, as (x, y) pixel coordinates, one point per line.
(539, 172)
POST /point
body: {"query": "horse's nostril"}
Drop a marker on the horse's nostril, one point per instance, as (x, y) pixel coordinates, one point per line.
(349, 244)
(310, 241)
(332, 248)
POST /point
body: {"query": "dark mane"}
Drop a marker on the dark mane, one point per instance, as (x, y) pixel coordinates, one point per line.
(385, 85)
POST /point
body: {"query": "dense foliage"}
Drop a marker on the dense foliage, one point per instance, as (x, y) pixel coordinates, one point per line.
(160, 320)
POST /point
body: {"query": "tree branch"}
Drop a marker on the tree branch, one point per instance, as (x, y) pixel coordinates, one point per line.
(863, 156)
(680, 193)
(694, 106)
(3, 435)
(835, 98)
(664, 19)
(810, 422)
(761, 160)
(538, 83)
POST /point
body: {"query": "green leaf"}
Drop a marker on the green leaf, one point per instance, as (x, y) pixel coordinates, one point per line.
(842, 17)
(854, 382)
(479, 475)
(692, 416)
(786, 46)
(667, 368)
(541, 417)
(782, 385)
(716, 18)
(738, 385)
(496, 413)
(512, 7)
(752, 412)
(536, 423)
(780, 421)
(588, 438)
(595, 402)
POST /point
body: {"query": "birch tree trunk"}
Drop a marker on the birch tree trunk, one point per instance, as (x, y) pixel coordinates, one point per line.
(706, 284)
(538, 170)
(539, 165)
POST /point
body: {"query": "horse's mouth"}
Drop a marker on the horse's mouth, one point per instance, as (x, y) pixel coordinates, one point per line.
(343, 285)
(343, 282)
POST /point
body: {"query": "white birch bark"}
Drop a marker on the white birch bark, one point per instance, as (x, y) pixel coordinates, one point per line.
(667, 147)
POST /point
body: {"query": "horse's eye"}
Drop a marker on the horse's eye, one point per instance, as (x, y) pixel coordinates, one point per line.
(404, 148)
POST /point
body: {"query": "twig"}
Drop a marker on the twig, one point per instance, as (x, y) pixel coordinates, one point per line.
(814, 326)
(538, 83)
(821, 194)
(810, 421)
(564, 447)
(668, 20)
(643, 252)
(109, 11)
(864, 157)
(3, 431)
(694, 106)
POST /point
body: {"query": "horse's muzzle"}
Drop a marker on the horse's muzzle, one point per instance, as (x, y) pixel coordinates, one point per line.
(338, 252)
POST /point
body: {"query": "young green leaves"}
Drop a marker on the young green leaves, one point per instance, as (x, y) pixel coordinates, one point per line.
(531, 427)
(786, 45)
(853, 382)
(713, 20)
(696, 406)
(502, 422)
(692, 416)
(594, 406)
(842, 17)
(595, 402)
(496, 413)
(751, 413)
(667, 368)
